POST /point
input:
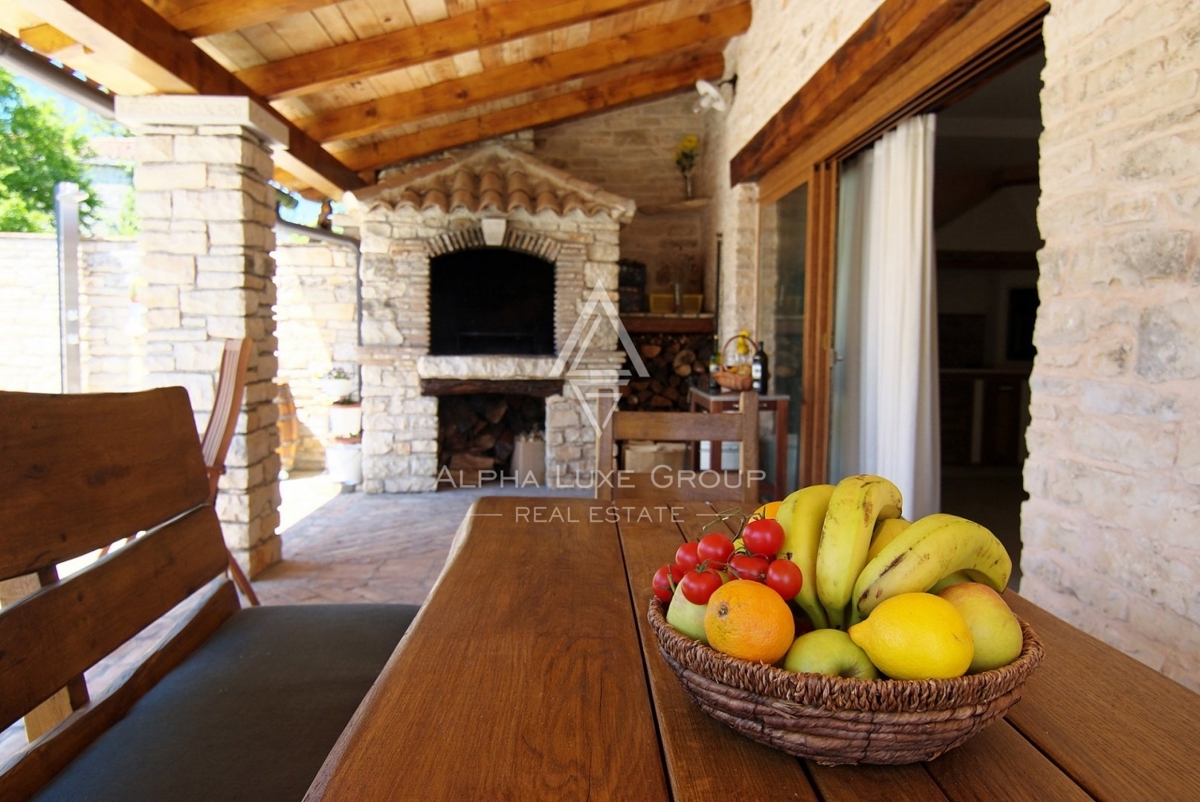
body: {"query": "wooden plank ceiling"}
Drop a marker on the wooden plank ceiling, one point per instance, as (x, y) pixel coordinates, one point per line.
(368, 83)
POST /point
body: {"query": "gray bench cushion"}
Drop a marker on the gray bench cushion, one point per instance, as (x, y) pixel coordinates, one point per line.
(250, 715)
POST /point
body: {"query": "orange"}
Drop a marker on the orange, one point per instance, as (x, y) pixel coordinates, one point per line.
(749, 620)
(767, 510)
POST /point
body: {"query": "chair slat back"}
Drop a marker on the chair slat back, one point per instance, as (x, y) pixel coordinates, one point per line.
(81, 471)
(227, 403)
(693, 427)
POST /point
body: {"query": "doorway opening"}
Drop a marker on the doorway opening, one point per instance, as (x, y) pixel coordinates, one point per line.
(985, 228)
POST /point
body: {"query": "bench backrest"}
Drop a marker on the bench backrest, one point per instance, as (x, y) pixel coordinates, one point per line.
(79, 472)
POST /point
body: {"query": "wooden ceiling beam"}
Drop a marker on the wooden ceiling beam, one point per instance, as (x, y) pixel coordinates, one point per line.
(408, 47)
(133, 36)
(643, 86)
(647, 43)
(895, 33)
(199, 18)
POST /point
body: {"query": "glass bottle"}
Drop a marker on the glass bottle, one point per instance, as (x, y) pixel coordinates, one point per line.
(759, 373)
(714, 365)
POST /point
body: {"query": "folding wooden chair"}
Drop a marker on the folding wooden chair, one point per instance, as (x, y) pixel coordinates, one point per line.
(231, 383)
(685, 427)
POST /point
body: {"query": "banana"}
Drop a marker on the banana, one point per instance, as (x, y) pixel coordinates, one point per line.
(855, 505)
(886, 531)
(924, 554)
(801, 516)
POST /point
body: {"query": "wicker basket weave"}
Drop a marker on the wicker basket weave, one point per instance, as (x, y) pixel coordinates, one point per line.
(836, 721)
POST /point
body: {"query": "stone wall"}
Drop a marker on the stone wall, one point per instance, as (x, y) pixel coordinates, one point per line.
(631, 152)
(112, 329)
(1113, 472)
(316, 318)
(111, 349)
(29, 334)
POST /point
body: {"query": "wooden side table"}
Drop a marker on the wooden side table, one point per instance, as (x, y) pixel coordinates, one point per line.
(720, 402)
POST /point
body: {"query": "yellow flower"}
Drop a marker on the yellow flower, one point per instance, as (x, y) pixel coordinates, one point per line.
(685, 153)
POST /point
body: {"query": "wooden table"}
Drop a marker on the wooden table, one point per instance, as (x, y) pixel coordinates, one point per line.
(531, 673)
(699, 399)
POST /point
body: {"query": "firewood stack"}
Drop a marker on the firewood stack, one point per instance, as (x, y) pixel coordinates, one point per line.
(476, 432)
(674, 361)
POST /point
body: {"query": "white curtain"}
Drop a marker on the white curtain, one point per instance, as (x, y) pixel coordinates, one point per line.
(887, 316)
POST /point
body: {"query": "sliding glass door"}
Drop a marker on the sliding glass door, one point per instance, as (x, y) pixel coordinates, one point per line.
(783, 242)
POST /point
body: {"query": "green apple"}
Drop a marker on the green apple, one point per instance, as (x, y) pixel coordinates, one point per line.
(829, 651)
(687, 618)
(996, 631)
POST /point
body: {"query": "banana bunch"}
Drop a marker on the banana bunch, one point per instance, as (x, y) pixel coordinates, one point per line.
(802, 515)
(855, 550)
(932, 550)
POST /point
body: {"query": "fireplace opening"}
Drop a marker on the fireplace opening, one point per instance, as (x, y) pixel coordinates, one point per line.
(478, 434)
(491, 301)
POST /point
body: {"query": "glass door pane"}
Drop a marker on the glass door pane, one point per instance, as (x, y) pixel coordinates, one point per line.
(783, 241)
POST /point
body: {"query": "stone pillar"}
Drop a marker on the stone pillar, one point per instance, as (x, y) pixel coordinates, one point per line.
(207, 274)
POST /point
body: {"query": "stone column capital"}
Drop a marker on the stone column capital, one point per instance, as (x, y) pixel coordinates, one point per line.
(144, 112)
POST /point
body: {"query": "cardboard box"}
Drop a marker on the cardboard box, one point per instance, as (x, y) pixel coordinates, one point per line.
(644, 457)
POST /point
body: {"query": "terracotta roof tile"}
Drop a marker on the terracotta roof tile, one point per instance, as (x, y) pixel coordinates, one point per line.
(493, 178)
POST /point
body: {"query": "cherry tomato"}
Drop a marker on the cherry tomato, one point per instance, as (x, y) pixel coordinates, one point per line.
(665, 580)
(699, 585)
(686, 556)
(785, 578)
(763, 536)
(748, 566)
(715, 548)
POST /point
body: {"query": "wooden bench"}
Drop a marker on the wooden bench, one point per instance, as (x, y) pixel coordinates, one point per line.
(232, 704)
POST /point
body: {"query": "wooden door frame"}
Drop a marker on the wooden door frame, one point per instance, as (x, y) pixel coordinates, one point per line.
(908, 58)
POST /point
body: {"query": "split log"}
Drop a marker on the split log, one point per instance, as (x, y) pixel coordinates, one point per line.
(471, 462)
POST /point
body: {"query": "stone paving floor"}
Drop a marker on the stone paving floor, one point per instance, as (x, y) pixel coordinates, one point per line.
(337, 548)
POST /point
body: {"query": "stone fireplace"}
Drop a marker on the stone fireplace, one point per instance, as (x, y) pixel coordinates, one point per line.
(475, 272)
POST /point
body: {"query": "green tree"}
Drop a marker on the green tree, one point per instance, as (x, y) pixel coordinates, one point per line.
(38, 149)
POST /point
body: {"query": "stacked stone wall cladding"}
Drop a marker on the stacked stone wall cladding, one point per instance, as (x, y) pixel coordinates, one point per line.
(631, 152)
(1109, 531)
(207, 274)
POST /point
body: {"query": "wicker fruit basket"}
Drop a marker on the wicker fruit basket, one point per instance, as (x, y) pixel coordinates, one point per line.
(729, 378)
(843, 721)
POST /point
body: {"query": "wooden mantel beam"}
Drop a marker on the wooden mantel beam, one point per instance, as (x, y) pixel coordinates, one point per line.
(132, 35)
(408, 47)
(647, 43)
(207, 17)
(543, 112)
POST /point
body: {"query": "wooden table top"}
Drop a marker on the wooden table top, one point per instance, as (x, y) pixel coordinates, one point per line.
(531, 673)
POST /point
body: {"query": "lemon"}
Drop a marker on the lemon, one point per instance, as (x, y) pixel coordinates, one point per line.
(916, 636)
